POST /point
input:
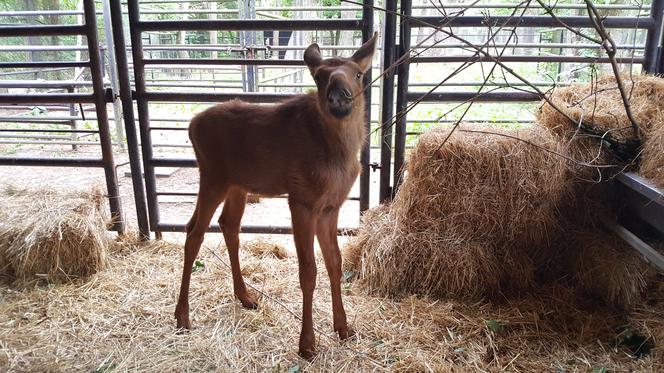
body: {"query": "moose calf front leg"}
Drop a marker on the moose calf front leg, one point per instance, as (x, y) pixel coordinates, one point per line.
(206, 204)
(304, 222)
(326, 231)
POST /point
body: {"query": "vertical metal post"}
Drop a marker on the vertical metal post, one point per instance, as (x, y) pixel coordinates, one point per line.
(387, 102)
(102, 115)
(113, 73)
(402, 100)
(130, 124)
(653, 49)
(248, 40)
(72, 121)
(143, 113)
(365, 156)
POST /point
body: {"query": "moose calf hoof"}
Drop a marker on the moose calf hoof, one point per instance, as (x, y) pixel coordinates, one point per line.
(346, 333)
(248, 302)
(307, 353)
(183, 323)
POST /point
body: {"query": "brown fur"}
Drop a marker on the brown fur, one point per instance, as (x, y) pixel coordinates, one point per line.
(305, 147)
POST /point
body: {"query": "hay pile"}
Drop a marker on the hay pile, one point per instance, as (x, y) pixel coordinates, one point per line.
(600, 104)
(493, 211)
(123, 321)
(53, 235)
(468, 217)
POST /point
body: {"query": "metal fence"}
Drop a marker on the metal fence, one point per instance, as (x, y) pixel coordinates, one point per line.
(144, 97)
(98, 98)
(639, 201)
(404, 25)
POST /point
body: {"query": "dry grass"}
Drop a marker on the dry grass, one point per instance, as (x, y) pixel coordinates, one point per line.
(51, 234)
(600, 103)
(467, 216)
(261, 247)
(122, 320)
(489, 215)
(607, 267)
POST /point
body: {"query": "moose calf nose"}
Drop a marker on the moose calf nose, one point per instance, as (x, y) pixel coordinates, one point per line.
(339, 96)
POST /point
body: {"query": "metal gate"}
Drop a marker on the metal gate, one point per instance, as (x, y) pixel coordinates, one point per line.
(144, 97)
(99, 97)
(395, 129)
(641, 204)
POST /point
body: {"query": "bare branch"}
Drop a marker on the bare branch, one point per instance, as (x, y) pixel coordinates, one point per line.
(609, 46)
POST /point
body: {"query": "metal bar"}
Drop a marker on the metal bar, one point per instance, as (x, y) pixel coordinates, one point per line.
(129, 121)
(213, 97)
(99, 95)
(533, 21)
(256, 229)
(222, 61)
(46, 130)
(40, 137)
(558, 59)
(474, 96)
(41, 84)
(365, 155)
(46, 64)
(642, 186)
(387, 109)
(191, 194)
(29, 142)
(143, 113)
(653, 47)
(113, 73)
(402, 97)
(48, 98)
(173, 162)
(37, 30)
(249, 24)
(53, 162)
(652, 255)
(319, 8)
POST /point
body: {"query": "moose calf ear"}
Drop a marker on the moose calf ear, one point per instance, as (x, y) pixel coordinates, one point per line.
(312, 57)
(364, 55)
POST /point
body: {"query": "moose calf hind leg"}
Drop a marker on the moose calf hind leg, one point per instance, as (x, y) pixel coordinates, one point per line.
(229, 221)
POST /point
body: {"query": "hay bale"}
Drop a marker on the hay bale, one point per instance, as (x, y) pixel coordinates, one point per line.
(600, 103)
(51, 234)
(486, 188)
(374, 223)
(468, 215)
(605, 266)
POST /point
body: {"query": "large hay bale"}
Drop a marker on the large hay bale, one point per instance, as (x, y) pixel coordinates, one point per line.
(468, 214)
(603, 265)
(51, 234)
(600, 104)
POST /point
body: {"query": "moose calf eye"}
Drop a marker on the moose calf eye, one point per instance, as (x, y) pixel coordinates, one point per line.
(316, 79)
(358, 76)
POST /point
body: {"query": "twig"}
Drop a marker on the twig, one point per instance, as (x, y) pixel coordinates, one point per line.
(609, 46)
(568, 158)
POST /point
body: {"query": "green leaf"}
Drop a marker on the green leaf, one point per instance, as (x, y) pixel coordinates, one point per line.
(294, 369)
(493, 325)
(348, 275)
(599, 370)
(106, 368)
(198, 265)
